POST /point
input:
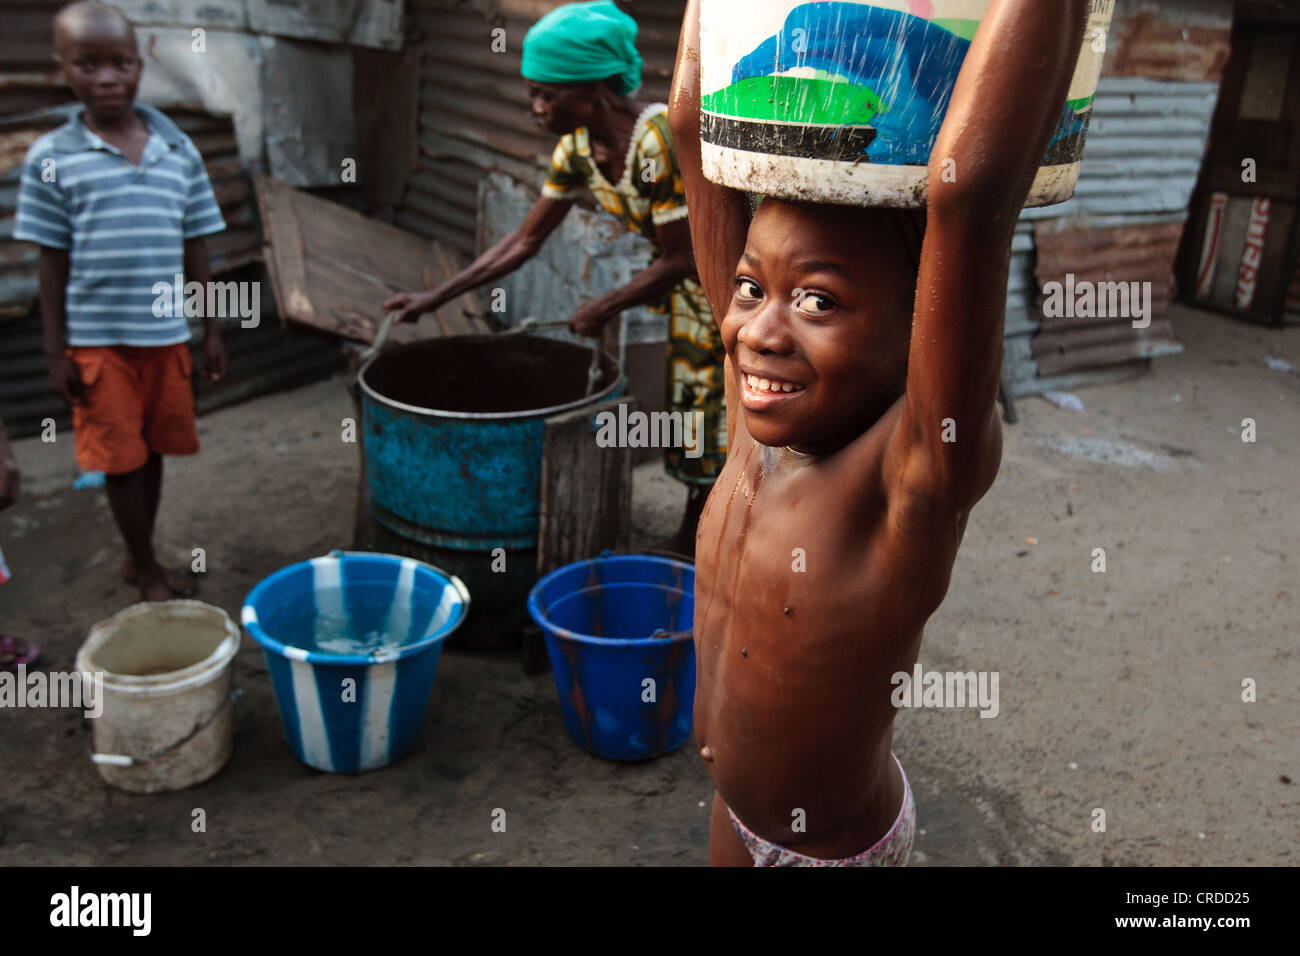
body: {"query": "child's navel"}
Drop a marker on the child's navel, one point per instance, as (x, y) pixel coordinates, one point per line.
(706, 753)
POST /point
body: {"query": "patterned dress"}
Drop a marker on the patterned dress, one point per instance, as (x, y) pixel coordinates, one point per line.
(649, 194)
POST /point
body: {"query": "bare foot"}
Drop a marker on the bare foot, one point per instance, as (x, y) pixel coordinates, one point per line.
(162, 584)
(154, 585)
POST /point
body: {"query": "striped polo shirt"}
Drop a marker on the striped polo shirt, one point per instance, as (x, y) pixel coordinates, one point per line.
(124, 225)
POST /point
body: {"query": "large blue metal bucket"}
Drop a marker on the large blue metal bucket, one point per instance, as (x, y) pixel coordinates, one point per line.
(453, 432)
(347, 712)
(626, 694)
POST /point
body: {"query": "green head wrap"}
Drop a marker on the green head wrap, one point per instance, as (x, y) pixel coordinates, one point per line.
(582, 42)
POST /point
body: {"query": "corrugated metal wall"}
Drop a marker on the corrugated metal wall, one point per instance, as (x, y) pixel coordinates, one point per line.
(1151, 122)
(474, 111)
(27, 76)
(1139, 169)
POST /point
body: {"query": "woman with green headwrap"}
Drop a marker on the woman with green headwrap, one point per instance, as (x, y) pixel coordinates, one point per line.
(581, 64)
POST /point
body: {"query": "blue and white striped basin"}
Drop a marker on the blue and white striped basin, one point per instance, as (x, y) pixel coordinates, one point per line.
(352, 642)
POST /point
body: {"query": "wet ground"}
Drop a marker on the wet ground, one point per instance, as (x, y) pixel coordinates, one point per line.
(1120, 691)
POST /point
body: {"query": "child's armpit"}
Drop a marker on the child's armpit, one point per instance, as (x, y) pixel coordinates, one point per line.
(915, 511)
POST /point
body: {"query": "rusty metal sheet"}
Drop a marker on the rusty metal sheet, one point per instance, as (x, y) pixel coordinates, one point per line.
(28, 77)
(1120, 349)
(1142, 251)
(1135, 255)
(1168, 40)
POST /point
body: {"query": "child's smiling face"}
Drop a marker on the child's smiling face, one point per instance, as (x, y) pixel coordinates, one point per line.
(821, 313)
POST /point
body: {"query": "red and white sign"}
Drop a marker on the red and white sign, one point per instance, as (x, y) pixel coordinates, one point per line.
(1252, 253)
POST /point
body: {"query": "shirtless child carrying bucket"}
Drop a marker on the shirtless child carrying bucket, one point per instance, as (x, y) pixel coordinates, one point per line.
(865, 365)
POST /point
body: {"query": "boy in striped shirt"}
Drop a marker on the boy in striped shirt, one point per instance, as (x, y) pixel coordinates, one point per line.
(119, 202)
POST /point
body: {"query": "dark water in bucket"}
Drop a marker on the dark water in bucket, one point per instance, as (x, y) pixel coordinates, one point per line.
(486, 374)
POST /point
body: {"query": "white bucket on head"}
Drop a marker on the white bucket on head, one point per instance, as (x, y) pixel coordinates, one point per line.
(841, 102)
(167, 678)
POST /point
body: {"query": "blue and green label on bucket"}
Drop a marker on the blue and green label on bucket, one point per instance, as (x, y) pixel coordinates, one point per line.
(843, 101)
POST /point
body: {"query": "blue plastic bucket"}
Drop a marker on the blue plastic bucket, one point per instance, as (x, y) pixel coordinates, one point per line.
(347, 712)
(625, 694)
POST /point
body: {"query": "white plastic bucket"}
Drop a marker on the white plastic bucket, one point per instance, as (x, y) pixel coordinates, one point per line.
(841, 102)
(167, 673)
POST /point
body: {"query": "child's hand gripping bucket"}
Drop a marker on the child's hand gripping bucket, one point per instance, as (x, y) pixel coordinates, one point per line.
(841, 102)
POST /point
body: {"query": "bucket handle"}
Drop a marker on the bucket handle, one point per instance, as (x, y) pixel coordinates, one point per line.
(529, 323)
(127, 760)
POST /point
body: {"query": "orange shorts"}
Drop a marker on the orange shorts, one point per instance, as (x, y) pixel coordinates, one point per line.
(138, 400)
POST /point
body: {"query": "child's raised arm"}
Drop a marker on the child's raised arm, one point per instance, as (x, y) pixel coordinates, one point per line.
(719, 216)
(1004, 107)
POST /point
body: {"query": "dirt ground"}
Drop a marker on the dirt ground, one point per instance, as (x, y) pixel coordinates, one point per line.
(1119, 690)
